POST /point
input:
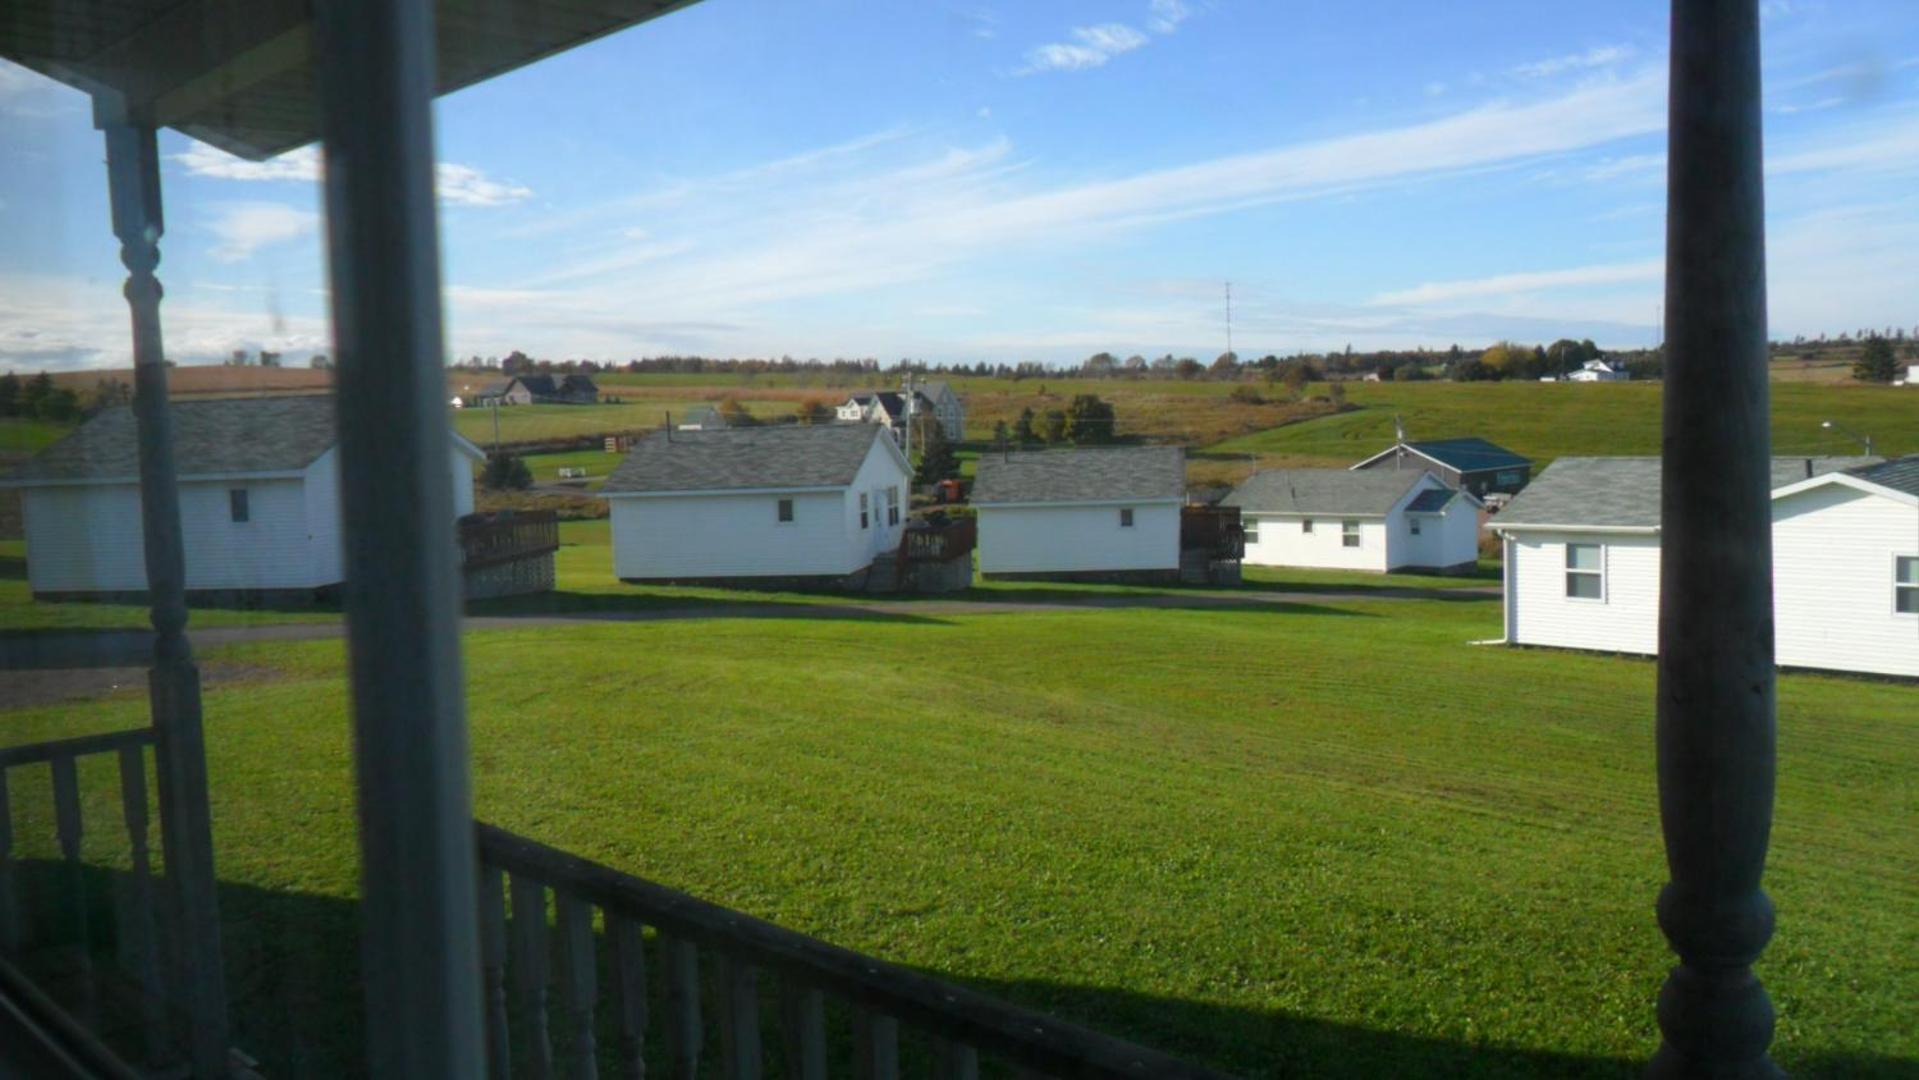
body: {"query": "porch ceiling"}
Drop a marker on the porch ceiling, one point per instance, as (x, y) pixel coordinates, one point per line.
(239, 73)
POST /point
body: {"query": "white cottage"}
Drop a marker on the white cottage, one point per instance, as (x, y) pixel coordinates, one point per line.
(259, 499)
(1582, 560)
(1357, 520)
(797, 502)
(1096, 513)
(1599, 371)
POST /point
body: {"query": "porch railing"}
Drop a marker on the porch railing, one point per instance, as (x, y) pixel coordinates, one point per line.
(940, 542)
(117, 1012)
(529, 1034)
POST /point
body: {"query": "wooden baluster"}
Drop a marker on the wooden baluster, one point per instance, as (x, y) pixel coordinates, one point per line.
(139, 955)
(579, 990)
(683, 1034)
(803, 1030)
(66, 817)
(499, 1043)
(876, 1046)
(10, 930)
(954, 1061)
(530, 972)
(629, 987)
(739, 999)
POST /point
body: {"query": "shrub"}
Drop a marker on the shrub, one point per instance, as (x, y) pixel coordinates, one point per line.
(505, 472)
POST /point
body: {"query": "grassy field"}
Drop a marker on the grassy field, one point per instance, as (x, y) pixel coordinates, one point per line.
(597, 463)
(1549, 420)
(19, 438)
(1317, 838)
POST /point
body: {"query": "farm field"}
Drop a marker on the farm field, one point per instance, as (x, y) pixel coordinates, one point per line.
(1221, 831)
(1550, 420)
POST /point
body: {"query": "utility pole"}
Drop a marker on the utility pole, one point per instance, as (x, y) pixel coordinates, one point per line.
(496, 427)
(1229, 316)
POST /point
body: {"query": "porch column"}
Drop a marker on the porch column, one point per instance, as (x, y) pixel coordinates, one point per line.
(1716, 696)
(419, 883)
(173, 683)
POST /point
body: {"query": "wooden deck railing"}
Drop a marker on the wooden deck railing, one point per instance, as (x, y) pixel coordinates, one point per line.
(938, 543)
(141, 928)
(960, 1027)
(488, 540)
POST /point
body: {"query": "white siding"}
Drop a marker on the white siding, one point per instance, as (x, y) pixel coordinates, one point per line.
(1078, 539)
(722, 535)
(1833, 550)
(325, 527)
(1283, 541)
(1445, 539)
(88, 538)
(1626, 620)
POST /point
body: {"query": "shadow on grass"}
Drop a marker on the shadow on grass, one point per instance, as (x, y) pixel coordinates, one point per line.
(709, 604)
(294, 981)
(13, 568)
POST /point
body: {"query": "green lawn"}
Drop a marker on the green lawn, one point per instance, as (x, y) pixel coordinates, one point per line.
(1313, 839)
(20, 437)
(538, 423)
(597, 463)
(1549, 420)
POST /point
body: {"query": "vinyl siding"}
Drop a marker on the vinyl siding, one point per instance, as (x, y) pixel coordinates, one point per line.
(1283, 541)
(89, 539)
(1078, 539)
(1626, 620)
(1445, 539)
(880, 470)
(1833, 550)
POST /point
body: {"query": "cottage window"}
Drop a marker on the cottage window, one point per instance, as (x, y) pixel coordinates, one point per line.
(237, 507)
(892, 506)
(1905, 584)
(1412, 523)
(862, 509)
(786, 510)
(1349, 533)
(1508, 478)
(1585, 571)
(1306, 526)
(1252, 531)
(1126, 517)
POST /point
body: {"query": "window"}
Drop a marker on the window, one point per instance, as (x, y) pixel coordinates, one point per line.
(1413, 524)
(893, 506)
(1585, 572)
(1306, 526)
(862, 509)
(237, 507)
(1252, 531)
(1509, 478)
(1349, 533)
(1126, 517)
(1905, 584)
(786, 510)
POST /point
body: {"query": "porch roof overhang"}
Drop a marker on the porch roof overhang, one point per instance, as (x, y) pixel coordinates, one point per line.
(239, 74)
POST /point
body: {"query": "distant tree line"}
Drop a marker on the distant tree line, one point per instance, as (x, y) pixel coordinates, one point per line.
(37, 399)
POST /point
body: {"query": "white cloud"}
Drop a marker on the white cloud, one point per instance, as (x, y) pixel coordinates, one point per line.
(1596, 57)
(459, 185)
(27, 93)
(243, 228)
(1166, 15)
(63, 323)
(1091, 47)
(1440, 292)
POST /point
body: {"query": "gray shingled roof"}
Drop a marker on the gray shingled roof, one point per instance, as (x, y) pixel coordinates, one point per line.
(1114, 474)
(1623, 492)
(782, 458)
(220, 437)
(1467, 454)
(1899, 474)
(1322, 491)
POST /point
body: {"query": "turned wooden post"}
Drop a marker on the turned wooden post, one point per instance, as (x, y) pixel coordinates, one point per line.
(1716, 695)
(173, 682)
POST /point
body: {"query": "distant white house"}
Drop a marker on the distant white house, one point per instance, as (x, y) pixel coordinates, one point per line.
(1912, 375)
(259, 499)
(896, 408)
(1599, 371)
(1357, 520)
(1582, 560)
(1094, 513)
(790, 502)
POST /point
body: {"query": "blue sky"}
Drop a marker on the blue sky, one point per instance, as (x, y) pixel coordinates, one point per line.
(988, 180)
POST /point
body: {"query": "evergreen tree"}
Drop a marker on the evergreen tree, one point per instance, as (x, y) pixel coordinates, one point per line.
(1876, 362)
(936, 460)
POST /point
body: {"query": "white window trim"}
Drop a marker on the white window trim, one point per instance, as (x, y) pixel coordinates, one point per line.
(1565, 568)
(1357, 533)
(863, 500)
(1412, 525)
(1897, 585)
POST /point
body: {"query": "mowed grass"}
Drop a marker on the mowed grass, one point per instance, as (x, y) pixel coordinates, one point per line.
(1550, 420)
(19, 438)
(597, 463)
(543, 423)
(1315, 839)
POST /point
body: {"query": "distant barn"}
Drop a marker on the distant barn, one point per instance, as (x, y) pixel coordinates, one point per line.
(1469, 464)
